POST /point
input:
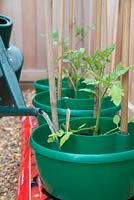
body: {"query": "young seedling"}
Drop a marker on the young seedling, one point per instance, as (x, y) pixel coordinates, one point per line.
(81, 32)
(107, 84)
(74, 60)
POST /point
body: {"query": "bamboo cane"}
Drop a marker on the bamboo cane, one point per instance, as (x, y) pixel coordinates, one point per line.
(51, 13)
(119, 33)
(70, 23)
(74, 36)
(67, 119)
(98, 24)
(71, 29)
(115, 32)
(105, 27)
(50, 64)
(98, 47)
(125, 62)
(61, 48)
(92, 36)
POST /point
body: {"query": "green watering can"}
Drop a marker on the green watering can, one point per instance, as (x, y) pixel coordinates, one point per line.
(11, 99)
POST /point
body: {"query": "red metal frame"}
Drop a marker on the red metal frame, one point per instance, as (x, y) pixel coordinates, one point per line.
(29, 183)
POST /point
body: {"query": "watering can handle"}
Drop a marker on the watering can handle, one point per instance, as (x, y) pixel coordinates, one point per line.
(14, 89)
(10, 78)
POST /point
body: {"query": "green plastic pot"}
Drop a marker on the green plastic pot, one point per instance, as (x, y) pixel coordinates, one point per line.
(83, 106)
(42, 85)
(101, 167)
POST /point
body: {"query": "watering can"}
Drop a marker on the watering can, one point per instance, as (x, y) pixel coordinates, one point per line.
(11, 99)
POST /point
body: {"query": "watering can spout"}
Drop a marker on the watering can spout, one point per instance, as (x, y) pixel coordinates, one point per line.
(9, 78)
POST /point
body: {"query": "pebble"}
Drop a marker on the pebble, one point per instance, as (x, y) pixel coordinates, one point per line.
(10, 152)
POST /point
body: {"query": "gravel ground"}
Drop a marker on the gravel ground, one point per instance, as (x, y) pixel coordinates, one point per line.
(10, 152)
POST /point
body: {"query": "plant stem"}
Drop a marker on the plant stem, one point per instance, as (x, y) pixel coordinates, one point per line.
(83, 129)
(96, 101)
(61, 48)
(100, 97)
(111, 131)
(67, 119)
(98, 117)
(76, 89)
(72, 84)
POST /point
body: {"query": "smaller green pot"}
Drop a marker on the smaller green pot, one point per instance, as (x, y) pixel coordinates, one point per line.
(42, 85)
(103, 170)
(79, 107)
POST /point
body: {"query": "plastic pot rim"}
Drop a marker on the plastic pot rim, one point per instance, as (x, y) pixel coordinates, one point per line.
(73, 112)
(80, 158)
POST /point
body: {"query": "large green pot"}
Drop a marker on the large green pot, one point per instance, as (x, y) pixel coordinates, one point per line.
(83, 106)
(88, 167)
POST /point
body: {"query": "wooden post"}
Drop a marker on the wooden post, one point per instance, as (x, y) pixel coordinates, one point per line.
(50, 63)
(98, 47)
(70, 23)
(61, 48)
(51, 13)
(104, 31)
(98, 24)
(71, 29)
(74, 27)
(119, 33)
(125, 62)
(115, 33)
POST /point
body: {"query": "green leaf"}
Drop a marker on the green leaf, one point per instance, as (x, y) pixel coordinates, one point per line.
(82, 50)
(55, 35)
(66, 44)
(80, 127)
(116, 119)
(51, 137)
(131, 119)
(79, 32)
(64, 70)
(87, 59)
(116, 92)
(55, 43)
(66, 60)
(88, 90)
(95, 75)
(90, 81)
(65, 138)
(66, 41)
(92, 27)
(60, 133)
(119, 70)
(107, 52)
